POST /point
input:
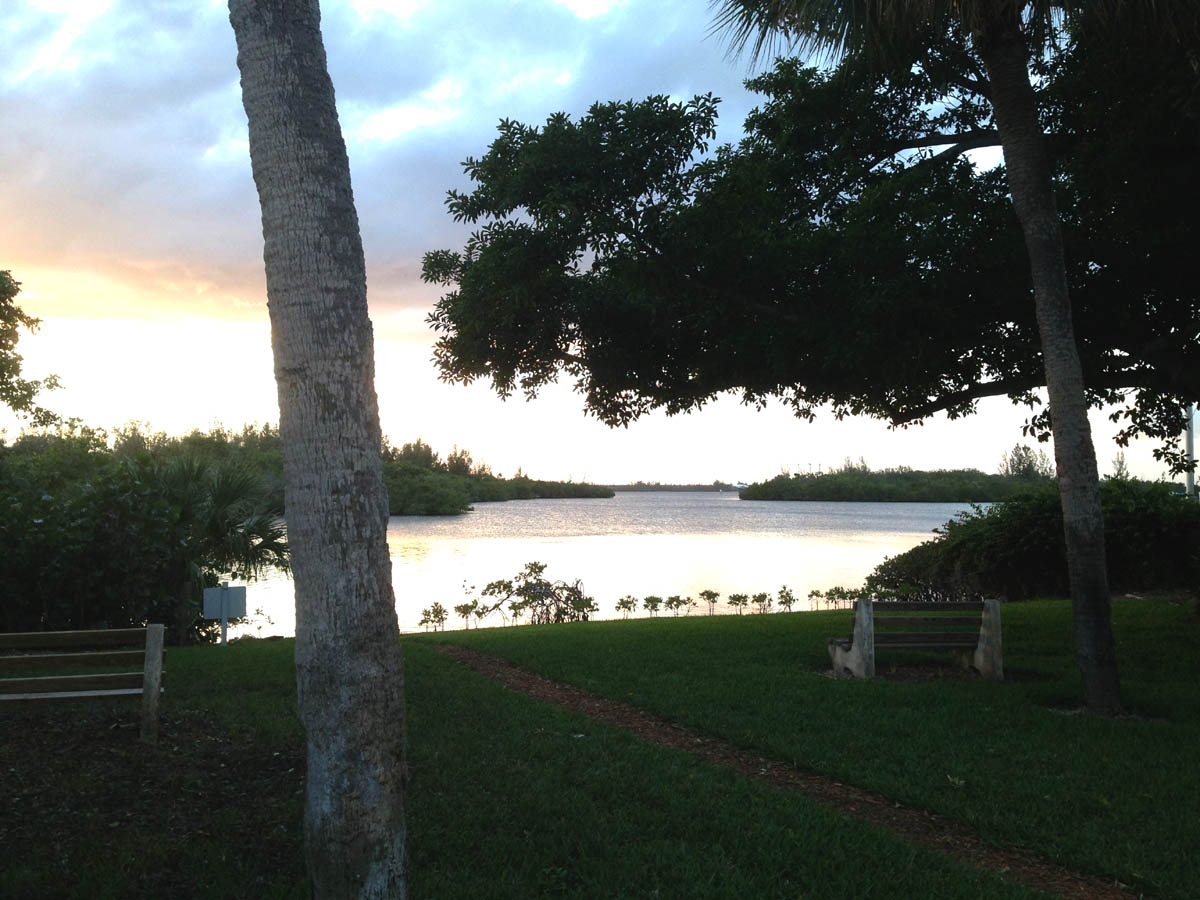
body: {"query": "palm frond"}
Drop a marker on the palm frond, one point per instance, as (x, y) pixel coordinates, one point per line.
(224, 518)
(826, 30)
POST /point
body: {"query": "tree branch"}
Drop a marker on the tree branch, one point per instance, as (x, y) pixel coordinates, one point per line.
(966, 140)
(1007, 386)
(1167, 343)
(978, 86)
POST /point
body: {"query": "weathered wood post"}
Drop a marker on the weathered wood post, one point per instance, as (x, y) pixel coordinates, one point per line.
(152, 683)
(989, 655)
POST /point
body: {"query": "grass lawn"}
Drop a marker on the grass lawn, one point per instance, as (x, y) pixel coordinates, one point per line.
(509, 797)
(1116, 799)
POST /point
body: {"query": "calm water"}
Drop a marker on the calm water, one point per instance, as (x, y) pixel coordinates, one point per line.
(635, 543)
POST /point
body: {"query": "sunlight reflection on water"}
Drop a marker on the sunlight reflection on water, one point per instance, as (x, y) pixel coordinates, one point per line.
(636, 543)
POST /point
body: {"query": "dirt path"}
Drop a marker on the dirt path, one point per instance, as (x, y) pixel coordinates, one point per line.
(916, 826)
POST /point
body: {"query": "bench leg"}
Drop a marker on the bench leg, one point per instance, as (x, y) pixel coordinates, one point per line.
(859, 660)
(840, 657)
(152, 683)
(989, 656)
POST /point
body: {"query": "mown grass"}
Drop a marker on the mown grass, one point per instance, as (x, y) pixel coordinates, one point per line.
(508, 798)
(512, 798)
(1016, 760)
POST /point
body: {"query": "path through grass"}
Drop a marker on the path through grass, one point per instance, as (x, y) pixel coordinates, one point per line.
(1015, 760)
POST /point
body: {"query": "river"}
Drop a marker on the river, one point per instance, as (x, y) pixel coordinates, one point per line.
(637, 543)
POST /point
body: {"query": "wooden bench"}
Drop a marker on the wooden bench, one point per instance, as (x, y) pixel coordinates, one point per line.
(63, 653)
(971, 629)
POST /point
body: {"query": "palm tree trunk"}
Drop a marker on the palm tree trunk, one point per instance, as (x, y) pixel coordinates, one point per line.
(1006, 57)
(185, 610)
(348, 666)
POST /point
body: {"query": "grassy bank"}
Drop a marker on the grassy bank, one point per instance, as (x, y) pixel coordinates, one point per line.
(513, 798)
(1114, 798)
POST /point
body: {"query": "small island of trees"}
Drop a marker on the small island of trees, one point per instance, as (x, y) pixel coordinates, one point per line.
(1021, 469)
(420, 483)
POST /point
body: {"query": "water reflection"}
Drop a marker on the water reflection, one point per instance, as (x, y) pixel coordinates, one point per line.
(407, 550)
(635, 543)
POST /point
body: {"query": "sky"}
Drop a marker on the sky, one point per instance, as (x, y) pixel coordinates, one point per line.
(128, 213)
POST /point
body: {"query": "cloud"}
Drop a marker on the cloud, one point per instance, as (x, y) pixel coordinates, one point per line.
(400, 11)
(440, 103)
(590, 9)
(125, 151)
(48, 38)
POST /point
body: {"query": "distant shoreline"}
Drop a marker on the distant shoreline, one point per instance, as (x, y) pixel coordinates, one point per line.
(652, 486)
(858, 483)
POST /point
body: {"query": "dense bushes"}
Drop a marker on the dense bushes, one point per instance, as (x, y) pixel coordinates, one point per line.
(1016, 548)
(94, 538)
(83, 553)
(416, 491)
(121, 529)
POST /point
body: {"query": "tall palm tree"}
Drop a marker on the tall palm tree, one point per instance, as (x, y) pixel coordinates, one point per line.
(1003, 34)
(349, 675)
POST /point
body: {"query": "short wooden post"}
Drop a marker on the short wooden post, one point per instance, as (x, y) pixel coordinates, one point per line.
(151, 683)
(989, 655)
(864, 638)
(859, 657)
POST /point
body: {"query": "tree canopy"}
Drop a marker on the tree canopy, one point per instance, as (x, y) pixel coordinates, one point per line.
(847, 252)
(18, 393)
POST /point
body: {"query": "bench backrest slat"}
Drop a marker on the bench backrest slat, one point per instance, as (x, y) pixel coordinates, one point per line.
(76, 695)
(966, 623)
(927, 637)
(94, 682)
(890, 606)
(112, 637)
(42, 662)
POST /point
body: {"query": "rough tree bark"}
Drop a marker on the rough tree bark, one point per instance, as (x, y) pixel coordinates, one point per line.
(348, 666)
(1006, 57)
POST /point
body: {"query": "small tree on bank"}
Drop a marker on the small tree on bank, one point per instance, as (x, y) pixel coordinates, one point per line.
(545, 601)
(466, 610)
(1023, 461)
(786, 598)
(434, 617)
(675, 603)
